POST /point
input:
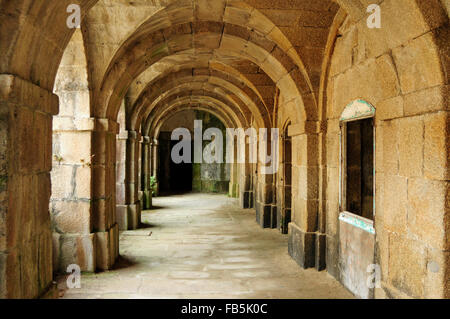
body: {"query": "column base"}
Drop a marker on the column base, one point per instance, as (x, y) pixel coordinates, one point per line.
(274, 217)
(147, 200)
(246, 200)
(301, 246)
(128, 217)
(78, 249)
(107, 248)
(233, 190)
(90, 252)
(264, 215)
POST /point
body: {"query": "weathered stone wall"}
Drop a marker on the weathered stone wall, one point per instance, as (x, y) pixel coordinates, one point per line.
(25, 164)
(402, 69)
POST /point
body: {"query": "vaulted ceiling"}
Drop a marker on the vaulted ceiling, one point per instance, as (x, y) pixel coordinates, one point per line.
(231, 55)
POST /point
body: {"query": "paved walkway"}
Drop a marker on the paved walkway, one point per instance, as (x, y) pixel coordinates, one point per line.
(204, 246)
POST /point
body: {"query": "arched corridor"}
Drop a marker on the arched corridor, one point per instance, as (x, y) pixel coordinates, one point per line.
(323, 122)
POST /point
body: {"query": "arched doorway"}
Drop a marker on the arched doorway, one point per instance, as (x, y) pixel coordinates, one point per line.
(204, 177)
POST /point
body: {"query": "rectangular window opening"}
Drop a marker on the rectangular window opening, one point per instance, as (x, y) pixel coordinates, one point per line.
(359, 168)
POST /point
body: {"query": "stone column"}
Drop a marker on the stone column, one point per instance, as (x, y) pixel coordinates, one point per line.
(26, 112)
(138, 181)
(71, 204)
(303, 229)
(155, 162)
(128, 205)
(121, 157)
(233, 190)
(264, 189)
(234, 180)
(264, 202)
(245, 179)
(146, 172)
(104, 209)
(274, 208)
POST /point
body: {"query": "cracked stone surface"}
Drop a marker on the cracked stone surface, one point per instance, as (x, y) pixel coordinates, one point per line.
(203, 246)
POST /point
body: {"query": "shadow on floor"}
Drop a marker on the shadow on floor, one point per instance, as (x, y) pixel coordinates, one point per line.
(123, 262)
(147, 225)
(155, 208)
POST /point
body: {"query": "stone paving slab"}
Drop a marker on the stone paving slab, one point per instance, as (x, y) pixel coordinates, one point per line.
(203, 246)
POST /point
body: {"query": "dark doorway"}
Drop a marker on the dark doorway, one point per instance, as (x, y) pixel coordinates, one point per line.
(180, 174)
(173, 178)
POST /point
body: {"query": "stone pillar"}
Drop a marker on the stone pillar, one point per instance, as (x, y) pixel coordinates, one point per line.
(138, 155)
(121, 157)
(26, 112)
(245, 179)
(233, 190)
(303, 229)
(274, 205)
(85, 232)
(155, 162)
(284, 199)
(264, 202)
(264, 188)
(104, 209)
(146, 172)
(234, 180)
(71, 202)
(128, 205)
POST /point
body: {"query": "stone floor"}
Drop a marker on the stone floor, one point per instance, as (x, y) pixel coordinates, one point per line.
(204, 246)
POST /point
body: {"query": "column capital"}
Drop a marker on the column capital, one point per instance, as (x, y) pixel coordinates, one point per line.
(129, 135)
(146, 140)
(105, 125)
(85, 125)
